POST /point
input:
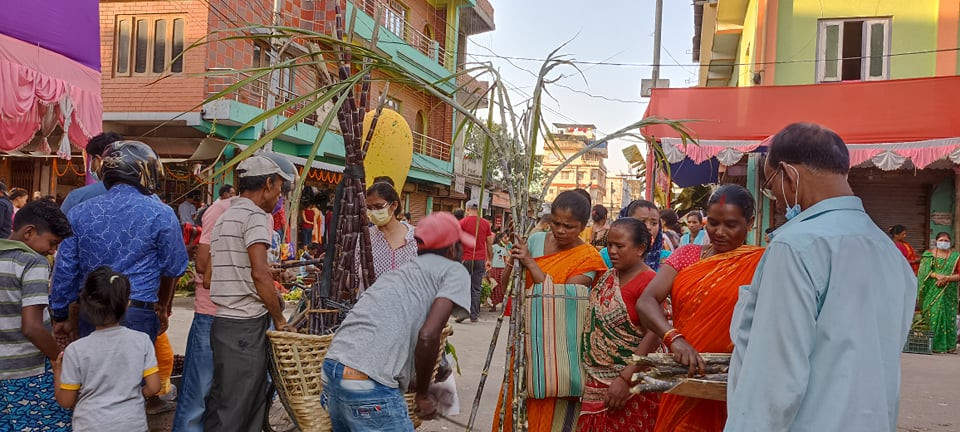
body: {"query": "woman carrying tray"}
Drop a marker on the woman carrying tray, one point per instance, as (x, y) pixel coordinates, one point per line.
(613, 334)
(703, 283)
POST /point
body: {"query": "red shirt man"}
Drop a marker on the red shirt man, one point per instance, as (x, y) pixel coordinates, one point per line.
(475, 259)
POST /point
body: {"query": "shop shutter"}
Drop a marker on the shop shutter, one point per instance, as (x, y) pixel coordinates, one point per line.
(418, 206)
(899, 198)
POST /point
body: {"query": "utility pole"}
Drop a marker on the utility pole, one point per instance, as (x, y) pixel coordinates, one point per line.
(655, 75)
(274, 74)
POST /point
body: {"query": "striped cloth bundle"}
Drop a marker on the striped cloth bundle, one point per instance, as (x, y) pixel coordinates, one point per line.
(554, 318)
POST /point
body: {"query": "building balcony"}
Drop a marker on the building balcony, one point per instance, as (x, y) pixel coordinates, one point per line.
(256, 93)
(431, 147)
(477, 19)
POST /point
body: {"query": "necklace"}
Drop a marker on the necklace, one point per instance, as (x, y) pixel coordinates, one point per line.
(706, 252)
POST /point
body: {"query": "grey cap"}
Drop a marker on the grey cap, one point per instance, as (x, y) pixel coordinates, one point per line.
(257, 165)
(472, 204)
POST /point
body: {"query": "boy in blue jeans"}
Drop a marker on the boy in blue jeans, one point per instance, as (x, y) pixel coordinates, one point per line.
(394, 331)
(26, 342)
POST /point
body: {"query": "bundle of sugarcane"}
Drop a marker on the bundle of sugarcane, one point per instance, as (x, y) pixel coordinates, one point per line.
(665, 375)
(342, 275)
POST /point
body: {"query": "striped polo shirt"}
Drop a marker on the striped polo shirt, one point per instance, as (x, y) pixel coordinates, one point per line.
(231, 283)
(24, 281)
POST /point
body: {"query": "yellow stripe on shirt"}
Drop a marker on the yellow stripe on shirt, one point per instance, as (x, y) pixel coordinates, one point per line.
(64, 386)
(151, 371)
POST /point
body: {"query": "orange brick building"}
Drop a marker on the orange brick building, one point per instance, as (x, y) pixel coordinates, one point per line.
(162, 59)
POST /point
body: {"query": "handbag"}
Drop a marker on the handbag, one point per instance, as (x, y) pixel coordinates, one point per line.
(554, 318)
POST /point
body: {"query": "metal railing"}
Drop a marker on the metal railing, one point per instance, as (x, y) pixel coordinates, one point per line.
(256, 92)
(432, 147)
(394, 20)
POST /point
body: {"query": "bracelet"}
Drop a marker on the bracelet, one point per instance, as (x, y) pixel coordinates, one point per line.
(668, 333)
(669, 341)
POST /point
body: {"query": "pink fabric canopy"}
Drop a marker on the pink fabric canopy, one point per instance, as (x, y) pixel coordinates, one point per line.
(885, 122)
(40, 88)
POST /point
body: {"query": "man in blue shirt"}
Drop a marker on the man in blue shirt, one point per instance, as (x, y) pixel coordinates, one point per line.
(94, 151)
(818, 333)
(697, 234)
(129, 230)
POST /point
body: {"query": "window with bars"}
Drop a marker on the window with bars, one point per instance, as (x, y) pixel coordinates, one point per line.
(395, 18)
(853, 50)
(148, 44)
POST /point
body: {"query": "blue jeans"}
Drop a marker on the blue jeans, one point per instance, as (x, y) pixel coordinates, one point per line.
(362, 405)
(139, 319)
(197, 376)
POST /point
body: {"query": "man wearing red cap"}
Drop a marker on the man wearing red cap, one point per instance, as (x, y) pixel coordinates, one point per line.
(393, 332)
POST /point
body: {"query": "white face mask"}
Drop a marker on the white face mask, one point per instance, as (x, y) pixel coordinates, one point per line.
(943, 244)
(379, 217)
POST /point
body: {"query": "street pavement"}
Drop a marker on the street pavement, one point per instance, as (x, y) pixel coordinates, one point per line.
(930, 395)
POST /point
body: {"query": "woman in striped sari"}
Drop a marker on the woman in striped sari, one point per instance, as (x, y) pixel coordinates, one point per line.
(704, 283)
(563, 257)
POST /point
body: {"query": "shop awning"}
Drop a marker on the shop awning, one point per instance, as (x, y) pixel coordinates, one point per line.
(50, 72)
(885, 122)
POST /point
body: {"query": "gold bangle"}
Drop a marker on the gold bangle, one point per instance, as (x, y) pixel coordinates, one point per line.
(668, 333)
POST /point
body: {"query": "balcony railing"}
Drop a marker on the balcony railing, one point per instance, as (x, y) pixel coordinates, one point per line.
(394, 20)
(256, 92)
(432, 147)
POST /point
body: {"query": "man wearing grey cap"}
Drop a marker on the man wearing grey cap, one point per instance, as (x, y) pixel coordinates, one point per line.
(477, 258)
(241, 286)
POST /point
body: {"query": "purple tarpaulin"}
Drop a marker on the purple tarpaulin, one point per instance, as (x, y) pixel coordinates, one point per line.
(67, 27)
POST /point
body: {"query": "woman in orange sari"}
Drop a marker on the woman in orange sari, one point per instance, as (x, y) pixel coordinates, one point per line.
(563, 257)
(704, 284)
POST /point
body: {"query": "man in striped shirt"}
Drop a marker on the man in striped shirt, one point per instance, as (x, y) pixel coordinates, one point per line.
(241, 286)
(26, 342)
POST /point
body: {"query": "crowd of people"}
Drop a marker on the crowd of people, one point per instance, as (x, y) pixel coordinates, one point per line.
(814, 332)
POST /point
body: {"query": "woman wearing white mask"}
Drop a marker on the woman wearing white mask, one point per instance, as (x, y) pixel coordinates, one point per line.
(391, 241)
(938, 292)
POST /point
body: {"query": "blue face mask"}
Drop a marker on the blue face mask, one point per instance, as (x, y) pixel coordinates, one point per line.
(794, 210)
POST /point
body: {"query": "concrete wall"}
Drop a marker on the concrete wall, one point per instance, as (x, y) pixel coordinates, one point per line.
(914, 28)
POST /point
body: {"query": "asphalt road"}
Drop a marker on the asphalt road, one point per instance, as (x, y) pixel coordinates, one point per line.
(930, 396)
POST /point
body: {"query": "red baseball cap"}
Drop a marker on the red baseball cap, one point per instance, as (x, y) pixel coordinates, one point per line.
(440, 230)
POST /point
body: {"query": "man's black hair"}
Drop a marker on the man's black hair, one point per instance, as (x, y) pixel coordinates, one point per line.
(458, 213)
(225, 189)
(769, 230)
(810, 145)
(99, 143)
(254, 183)
(313, 246)
(45, 216)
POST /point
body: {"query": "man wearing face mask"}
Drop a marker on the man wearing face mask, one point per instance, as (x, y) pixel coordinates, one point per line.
(818, 333)
(391, 242)
(477, 258)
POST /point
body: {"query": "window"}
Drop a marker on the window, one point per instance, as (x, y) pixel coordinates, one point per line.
(853, 50)
(594, 174)
(565, 175)
(148, 45)
(395, 18)
(392, 103)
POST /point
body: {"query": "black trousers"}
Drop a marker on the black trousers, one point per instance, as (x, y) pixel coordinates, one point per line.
(476, 268)
(238, 396)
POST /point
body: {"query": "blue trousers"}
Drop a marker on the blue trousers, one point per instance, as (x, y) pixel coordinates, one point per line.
(197, 376)
(362, 405)
(139, 319)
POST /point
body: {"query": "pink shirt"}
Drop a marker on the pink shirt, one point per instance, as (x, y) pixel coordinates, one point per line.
(202, 303)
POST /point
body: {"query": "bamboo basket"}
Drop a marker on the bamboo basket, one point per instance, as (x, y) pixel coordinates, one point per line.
(298, 363)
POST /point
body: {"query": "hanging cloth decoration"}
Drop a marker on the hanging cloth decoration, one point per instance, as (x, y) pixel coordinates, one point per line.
(66, 108)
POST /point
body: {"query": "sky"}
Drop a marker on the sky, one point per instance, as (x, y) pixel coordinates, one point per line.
(616, 31)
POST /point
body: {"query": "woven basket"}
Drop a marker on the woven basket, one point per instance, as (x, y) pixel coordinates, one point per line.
(298, 362)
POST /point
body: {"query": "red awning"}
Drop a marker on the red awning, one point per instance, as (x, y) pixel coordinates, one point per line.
(884, 121)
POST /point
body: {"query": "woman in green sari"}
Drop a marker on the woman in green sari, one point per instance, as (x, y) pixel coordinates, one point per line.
(938, 279)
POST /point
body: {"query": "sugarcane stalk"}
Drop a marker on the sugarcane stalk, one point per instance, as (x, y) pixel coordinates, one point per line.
(666, 359)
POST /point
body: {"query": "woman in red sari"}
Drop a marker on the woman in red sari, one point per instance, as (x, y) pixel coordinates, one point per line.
(703, 283)
(613, 334)
(899, 234)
